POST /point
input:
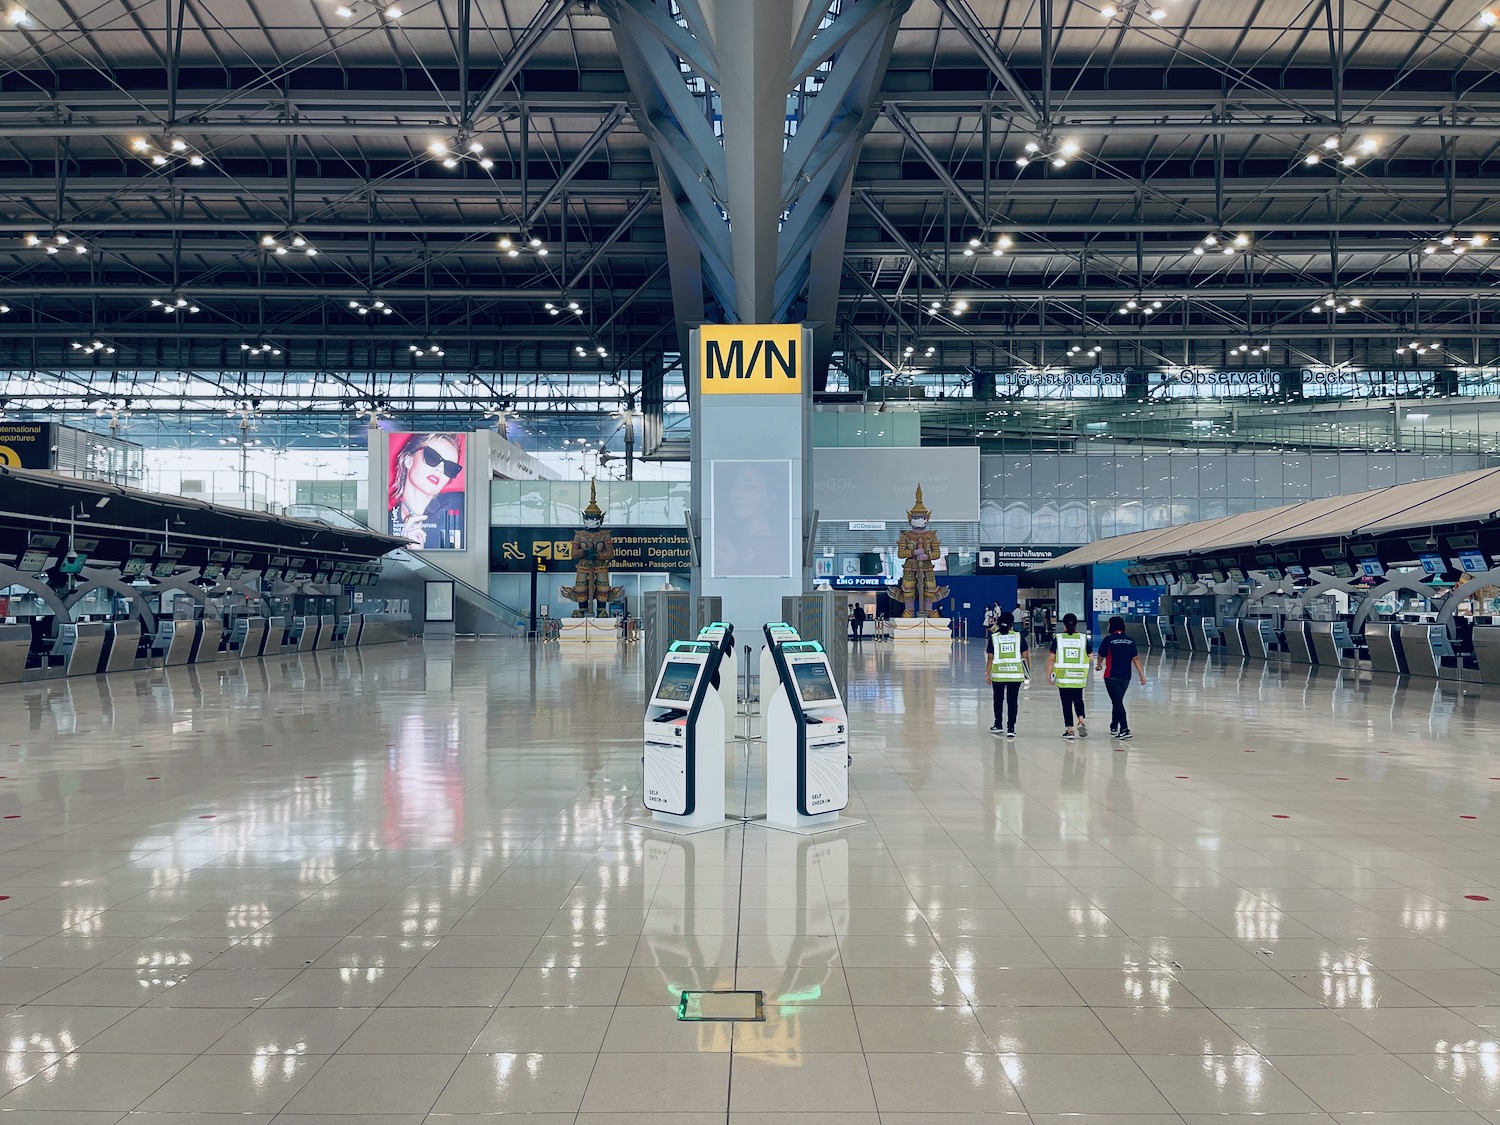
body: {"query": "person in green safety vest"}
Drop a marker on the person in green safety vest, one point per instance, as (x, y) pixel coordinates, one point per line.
(1005, 666)
(1068, 668)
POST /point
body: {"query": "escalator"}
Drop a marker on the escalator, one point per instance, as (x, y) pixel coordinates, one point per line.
(404, 573)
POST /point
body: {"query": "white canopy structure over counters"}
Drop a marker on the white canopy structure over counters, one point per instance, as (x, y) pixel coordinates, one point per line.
(1463, 499)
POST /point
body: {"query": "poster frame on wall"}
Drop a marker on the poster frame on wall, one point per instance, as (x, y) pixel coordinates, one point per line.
(743, 544)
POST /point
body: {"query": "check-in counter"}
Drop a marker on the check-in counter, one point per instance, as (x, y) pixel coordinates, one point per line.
(122, 642)
(1487, 653)
(248, 636)
(354, 637)
(1203, 632)
(1332, 644)
(327, 626)
(1154, 638)
(173, 642)
(1182, 638)
(1425, 646)
(385, 628)
(1135, 629)
(277, 637)
(1234, 639)
(341, 625)
(1383, 639)
(1298, 644)
(15, 647)
(303, 636)
(80, 647)
(206, 643)
(1260, 637)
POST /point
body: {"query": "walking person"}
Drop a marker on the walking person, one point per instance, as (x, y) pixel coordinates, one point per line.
(1118, 654)
(1005, 664)
(859, 622)
(1068, 668)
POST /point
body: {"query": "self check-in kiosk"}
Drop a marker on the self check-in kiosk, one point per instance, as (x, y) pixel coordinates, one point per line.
(684, 741)
(777, 632)
(721, 633)
(807, 743)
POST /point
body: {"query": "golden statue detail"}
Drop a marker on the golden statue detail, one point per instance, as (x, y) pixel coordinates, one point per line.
(917, 547)
(593, 551)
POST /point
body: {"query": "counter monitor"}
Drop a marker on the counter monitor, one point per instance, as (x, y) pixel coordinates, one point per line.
(1472, 562)
(1372, 568)
(677, 680)
(1433, 564)
(814, 684)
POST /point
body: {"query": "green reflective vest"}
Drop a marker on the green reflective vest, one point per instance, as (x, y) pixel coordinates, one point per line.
(1006, 666)
(1071, 668)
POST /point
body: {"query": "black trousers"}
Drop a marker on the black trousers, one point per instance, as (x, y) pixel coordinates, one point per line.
(1072, 702)
(1006, 694)
(1117, 690)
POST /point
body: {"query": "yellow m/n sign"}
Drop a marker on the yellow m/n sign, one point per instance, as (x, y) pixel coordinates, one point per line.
(750, 359)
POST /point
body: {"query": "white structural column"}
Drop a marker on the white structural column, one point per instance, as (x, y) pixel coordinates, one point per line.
(752, 438)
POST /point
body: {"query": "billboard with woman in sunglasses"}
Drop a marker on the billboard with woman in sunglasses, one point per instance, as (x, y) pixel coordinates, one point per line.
(426, 497)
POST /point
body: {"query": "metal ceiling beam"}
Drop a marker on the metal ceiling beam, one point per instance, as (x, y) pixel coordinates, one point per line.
(583, 156)
(600, 248)
(969, 25)
(548, 16)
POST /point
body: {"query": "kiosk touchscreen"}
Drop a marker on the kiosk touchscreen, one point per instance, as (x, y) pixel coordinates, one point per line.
(807, 743)
(684, 741)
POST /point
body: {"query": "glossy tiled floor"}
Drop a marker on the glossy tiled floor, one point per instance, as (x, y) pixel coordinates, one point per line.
(397, 886)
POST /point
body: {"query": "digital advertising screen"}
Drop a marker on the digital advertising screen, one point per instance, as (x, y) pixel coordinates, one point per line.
(813, 682)
(425, 501)
(677, 680)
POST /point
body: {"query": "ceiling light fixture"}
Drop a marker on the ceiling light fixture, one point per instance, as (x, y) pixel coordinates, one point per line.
(161, 151)
(567, 306)
(286, 243)
(1124, 10)
(1003, 243)
(1222, 242)
(16, 16)
(1419, 347)
(388, 10)
(1338, 305)
(257, 350)
(1457, 244)
(454, 152)
(515, 246)
(431, 351)
(174, 305)
(56, 243)
(365, 309)
(1041, 150)
(1334, 149)
(1252, 349)
(1490, 17)
(1139, 305)
(1077, 352)
(93, 346)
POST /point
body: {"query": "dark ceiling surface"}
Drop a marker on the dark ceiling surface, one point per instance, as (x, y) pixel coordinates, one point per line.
(178, 145)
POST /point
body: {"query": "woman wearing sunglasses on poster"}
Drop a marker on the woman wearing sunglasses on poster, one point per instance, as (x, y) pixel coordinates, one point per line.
(422, 509)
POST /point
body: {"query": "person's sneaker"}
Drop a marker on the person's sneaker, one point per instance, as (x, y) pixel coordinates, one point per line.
(1069, 735)
(1124, 736)
(1010, 734)
(1114, 728)
(1083, 731)
(995, 729)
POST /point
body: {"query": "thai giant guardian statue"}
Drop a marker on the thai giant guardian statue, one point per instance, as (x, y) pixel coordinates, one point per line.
(917, 548)
(593, 551)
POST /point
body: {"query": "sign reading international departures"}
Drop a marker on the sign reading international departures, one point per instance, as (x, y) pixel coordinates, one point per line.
(1243, 382)
(513, 549)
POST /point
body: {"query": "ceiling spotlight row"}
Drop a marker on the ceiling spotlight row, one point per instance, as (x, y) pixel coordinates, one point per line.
(1347, 155)
(1077, 351)
(1124, 9)
(431, 351)
(388, 10)
(1140, 305)
(1057, 157)
(55, 243)
(1251, 349)
(452, 153)
(1457, 243)
(1336, 304)
(161, 151)
(257, 350)
(1223, 242)
(514, 246)
(1002, 244)
(93, 346)
(599, 350)
(957, 308)
(373, 307)
(558, 310)
(173, 305)
(284, 244)
(1419, 347)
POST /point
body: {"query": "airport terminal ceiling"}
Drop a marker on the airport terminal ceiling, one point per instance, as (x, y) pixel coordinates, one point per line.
(1080, 213)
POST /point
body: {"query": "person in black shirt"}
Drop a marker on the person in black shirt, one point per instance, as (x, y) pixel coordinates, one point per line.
(1118, 654)
(859, 621)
